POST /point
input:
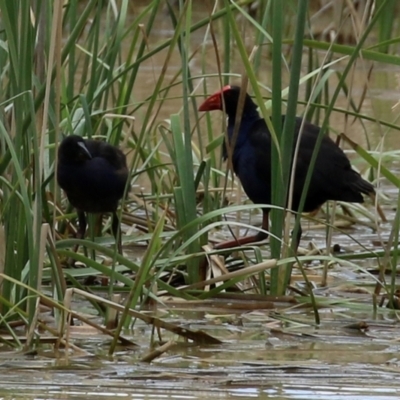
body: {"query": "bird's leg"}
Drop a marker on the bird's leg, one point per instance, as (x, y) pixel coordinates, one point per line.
(247, 239)
(115, 226)
(82, 225)
(239, 242)
(297, 238)
(98, 224)
(80, 233)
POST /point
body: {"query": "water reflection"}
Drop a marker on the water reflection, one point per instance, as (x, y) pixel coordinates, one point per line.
(257, 359)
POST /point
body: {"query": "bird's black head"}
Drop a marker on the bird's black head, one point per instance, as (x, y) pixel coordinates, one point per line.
(73, 150)
(229, 95)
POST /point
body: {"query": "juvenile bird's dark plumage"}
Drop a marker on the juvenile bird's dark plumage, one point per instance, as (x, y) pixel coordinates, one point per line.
(93, 175)
(332, 177)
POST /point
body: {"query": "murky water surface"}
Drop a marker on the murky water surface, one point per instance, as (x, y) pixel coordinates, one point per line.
(259, 358)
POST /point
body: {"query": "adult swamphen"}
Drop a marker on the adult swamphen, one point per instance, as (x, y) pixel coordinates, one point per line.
(332, 177)
(93, 175)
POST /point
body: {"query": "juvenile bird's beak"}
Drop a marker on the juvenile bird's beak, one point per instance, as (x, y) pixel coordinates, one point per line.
(214, 102)
(85, 149)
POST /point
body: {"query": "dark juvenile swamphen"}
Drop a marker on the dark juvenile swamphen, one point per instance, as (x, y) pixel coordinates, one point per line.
(332, 177)
(93, 175)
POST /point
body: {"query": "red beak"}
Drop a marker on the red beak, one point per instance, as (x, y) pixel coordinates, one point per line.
(214, 102)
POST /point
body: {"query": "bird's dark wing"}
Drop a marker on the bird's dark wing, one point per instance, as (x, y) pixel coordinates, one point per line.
(112, 154)
(332, 178)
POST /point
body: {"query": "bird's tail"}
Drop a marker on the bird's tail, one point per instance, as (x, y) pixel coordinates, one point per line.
(360, 185)
(363, 186)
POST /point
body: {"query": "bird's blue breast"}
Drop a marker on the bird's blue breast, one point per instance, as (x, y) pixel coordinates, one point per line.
(245, 161)
(246, 169)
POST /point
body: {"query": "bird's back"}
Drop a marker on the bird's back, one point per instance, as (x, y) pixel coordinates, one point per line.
(97, 184)
(332, 177)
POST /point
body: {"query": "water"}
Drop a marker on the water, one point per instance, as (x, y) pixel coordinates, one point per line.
(260, 358)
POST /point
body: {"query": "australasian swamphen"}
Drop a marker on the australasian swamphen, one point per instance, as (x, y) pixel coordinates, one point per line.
(93, 175)
(332, 177)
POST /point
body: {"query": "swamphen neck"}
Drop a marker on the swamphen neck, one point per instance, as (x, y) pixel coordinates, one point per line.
(229, 97)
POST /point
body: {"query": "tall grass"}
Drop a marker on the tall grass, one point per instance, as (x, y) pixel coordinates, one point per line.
(80, 69)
